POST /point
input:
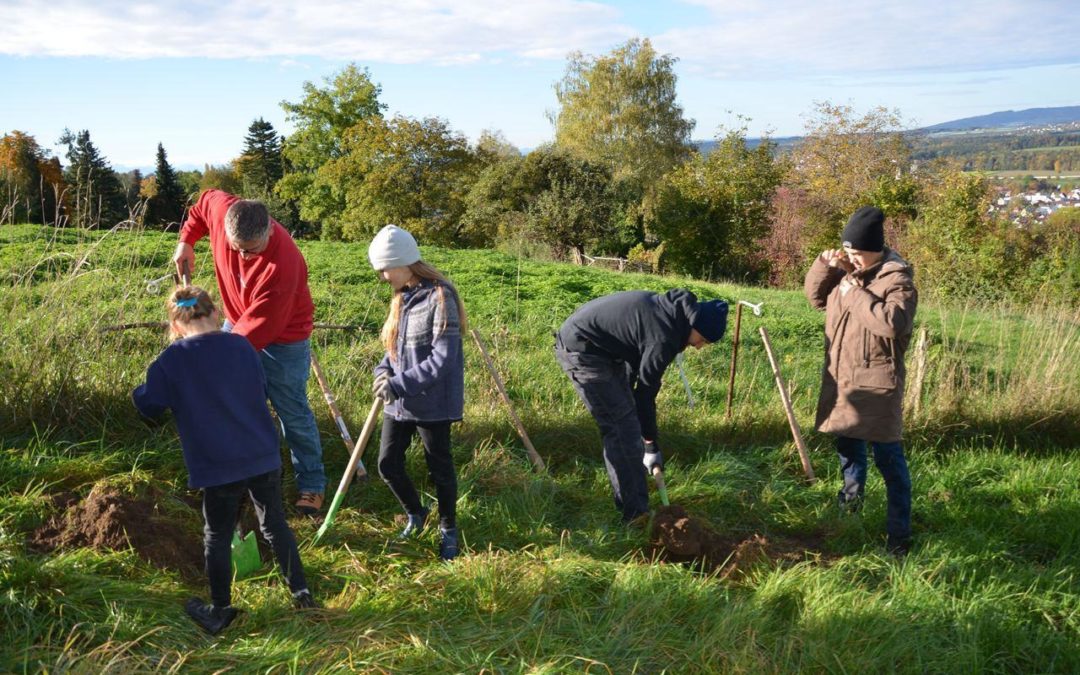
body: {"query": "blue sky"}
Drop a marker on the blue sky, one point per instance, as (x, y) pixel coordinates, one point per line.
(194, 74)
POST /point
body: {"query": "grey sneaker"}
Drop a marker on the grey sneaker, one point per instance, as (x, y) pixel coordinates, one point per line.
(848, 506)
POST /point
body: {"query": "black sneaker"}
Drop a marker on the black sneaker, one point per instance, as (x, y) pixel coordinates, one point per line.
(898, 547)
(448, 546)
(303, 600)
(415, 523)
(210, 618)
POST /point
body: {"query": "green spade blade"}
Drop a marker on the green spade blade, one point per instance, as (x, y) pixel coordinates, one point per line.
(245, 555)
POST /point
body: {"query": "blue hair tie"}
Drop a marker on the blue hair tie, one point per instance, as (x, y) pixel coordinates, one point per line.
(187, 302)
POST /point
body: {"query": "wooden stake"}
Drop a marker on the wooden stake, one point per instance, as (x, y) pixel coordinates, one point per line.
(804, 454)
(915, 393)
(339, 419)
(534, 456)
(734, 359)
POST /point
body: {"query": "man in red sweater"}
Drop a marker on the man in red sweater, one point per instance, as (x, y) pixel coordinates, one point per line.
(263, 282)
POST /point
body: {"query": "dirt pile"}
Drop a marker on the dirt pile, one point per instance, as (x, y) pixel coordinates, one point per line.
(677, 536)
(109, 519)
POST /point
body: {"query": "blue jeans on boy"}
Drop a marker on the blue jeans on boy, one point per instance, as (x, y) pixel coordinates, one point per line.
(221, 505)
(288, 366)
(890, 461)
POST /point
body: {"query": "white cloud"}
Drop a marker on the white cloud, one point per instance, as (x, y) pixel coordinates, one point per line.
(402, 31)
(785, 39)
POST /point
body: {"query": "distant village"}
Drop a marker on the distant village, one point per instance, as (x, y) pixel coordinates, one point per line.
(1026, 208)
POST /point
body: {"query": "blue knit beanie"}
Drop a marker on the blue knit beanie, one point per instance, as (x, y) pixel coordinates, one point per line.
(711, 319)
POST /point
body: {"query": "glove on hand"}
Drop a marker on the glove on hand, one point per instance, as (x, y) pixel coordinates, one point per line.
(652, 457)
(382, 388)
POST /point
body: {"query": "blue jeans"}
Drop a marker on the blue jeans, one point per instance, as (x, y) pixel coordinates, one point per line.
(288, 366)
(889, 458)
(603, 386)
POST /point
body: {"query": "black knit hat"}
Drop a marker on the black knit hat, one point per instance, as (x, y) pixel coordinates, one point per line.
(865, 230)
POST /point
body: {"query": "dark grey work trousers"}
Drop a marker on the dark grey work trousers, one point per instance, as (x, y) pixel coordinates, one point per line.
(603, 385)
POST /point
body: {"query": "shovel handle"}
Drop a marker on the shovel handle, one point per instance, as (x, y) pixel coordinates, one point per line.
(350, 470)
(661, 487)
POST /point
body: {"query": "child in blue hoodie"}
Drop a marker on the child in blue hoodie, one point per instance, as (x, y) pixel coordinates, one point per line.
(421, 378)
(214, 383)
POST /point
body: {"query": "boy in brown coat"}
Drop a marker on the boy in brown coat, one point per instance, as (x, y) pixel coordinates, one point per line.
(869, 300)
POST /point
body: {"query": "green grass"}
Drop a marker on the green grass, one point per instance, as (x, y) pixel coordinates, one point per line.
(550, 581)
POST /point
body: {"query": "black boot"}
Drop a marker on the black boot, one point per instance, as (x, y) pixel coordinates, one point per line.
(898, 546)
(210, 618)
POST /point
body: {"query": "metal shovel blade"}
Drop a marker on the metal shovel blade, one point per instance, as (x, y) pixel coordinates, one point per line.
(245, 555)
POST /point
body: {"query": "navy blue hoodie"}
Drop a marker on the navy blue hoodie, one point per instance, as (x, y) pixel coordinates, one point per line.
(645, 330)
(215, 386)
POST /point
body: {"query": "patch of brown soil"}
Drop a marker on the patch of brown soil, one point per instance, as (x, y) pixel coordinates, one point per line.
(678, 537)
(109, 519)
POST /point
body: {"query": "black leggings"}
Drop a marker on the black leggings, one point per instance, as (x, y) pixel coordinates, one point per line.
(396, 437)
(221, 505)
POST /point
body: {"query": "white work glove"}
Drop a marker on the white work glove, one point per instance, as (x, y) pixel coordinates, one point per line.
(652, 456)
(382, 388)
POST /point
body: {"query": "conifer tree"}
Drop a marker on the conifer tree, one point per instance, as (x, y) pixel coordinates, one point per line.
(97, 197)
(167, 205)
(260, 165)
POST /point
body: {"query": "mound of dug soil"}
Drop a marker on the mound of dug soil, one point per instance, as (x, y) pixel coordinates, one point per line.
(678, 537)
(108, 519)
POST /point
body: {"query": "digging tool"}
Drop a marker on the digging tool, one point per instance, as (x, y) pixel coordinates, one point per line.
(163, 325)
(350, 470)
(245, 554)
(661, 487)
(361, 472)
(685, 382)
(735, 349)
(538, 462)
(804, 454)
(154, 285)
(185, 274)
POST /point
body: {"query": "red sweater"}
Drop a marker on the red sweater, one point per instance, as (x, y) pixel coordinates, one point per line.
(266, 297)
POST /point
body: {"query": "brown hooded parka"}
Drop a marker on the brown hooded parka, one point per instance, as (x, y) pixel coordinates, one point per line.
(867, 331)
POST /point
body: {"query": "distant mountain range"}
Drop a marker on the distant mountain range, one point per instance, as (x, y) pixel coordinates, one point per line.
(1012, 119)
(1003, 121)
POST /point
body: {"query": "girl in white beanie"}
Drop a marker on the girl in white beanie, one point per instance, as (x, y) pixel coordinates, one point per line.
(421, 378)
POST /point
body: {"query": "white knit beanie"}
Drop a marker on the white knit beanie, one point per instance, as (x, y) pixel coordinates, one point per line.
(392, 247)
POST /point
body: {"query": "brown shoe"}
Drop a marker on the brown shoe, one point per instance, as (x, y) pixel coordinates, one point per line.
(309, 503)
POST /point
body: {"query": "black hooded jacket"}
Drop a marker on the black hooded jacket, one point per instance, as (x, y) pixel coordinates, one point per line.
(642, 329)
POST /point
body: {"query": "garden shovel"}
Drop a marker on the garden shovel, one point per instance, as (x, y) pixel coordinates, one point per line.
(245, 554)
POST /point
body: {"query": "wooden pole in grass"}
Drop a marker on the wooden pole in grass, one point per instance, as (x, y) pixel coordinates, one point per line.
(734, 359)
(339, 419)
(534, 456)
(350, 469)
(804, 454)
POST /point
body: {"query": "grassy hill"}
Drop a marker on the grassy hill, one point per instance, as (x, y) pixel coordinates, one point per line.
(550, 580)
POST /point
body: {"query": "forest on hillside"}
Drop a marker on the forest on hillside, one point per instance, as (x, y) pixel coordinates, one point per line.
(622, 178)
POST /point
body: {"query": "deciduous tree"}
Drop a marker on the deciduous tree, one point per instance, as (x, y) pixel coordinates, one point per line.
(321, 119)
(410, 172)
(30, 180)
(712, 212)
